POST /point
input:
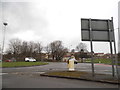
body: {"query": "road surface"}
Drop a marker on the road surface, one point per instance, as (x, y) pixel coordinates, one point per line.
(29, 77)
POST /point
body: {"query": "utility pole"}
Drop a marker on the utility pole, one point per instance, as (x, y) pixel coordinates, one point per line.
(3, 42)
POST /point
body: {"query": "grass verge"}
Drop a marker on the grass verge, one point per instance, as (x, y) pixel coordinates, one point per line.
(104, 61)
(21, 64)
(105, 78)
(68, 73)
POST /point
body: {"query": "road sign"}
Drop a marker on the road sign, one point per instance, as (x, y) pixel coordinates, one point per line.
(98, 30)
(101, 29)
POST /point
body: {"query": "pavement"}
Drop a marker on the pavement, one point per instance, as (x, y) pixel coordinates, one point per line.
(103, 78)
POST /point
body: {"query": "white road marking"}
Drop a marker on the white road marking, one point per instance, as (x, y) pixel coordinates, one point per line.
(3, 73)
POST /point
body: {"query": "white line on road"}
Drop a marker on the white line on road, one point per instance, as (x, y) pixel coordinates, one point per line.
(3, 73)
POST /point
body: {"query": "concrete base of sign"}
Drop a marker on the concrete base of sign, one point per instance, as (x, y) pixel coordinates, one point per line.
(71, 69)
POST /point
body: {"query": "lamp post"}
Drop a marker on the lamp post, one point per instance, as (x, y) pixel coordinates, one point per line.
(3, 42)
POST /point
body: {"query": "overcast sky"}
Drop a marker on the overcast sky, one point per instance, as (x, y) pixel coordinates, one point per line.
(49, 20)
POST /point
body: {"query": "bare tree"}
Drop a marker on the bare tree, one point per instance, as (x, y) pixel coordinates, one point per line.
(15, 46)
(38, 50)
(81, 47)
(38, 47)
(31, 46)
(47, 49)
(21, 49)
(24, 48)
(57, 50)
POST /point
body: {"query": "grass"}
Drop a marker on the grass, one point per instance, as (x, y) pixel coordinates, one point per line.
(82, 75)
(104, 61)
(68, 73)
(21, 64)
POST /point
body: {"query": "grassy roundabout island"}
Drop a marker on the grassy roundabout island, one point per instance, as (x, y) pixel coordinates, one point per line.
(21, 64)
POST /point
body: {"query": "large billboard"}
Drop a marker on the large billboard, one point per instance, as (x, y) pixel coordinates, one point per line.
(97, 29)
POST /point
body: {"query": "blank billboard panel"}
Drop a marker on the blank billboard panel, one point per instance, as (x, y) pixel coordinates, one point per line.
(99, 29)
(99, 25)
(85, 24)
(97, 35)
(96, 24)
(85, 35)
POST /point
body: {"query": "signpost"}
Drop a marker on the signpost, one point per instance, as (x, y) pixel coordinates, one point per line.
(98, 30)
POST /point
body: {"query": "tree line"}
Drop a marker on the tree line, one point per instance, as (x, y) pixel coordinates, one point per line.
(20, 49)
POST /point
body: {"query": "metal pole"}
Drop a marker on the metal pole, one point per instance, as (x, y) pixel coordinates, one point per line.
(116, 61)
(3, 43)
(91, 44)
(111, 50)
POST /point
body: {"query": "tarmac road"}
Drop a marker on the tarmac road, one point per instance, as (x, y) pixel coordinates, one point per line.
(99, 68)
(29, 77)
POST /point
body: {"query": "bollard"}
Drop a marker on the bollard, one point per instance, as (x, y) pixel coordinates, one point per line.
(71, 64)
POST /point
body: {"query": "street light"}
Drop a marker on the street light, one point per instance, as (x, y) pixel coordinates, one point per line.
(2, 49)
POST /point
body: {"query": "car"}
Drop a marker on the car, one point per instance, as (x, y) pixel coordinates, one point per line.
(8, 60)
(30, 59)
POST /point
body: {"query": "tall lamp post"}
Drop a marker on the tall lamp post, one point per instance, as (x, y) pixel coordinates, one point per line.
(3, 42)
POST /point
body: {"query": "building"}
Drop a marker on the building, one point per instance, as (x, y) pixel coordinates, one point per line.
(98, 54)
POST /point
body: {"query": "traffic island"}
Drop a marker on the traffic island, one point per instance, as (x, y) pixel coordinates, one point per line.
(79, 75)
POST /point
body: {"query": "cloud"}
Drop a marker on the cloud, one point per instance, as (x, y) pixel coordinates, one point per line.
(21, 17)
(48, 20)
(28, 35)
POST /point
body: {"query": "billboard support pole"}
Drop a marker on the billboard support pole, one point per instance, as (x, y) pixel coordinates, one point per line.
(91, 44)
(101, 30)
(116, 61)
(111, 50)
